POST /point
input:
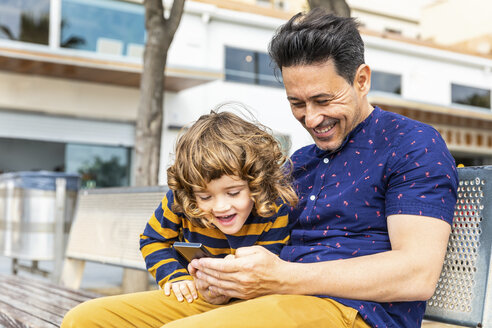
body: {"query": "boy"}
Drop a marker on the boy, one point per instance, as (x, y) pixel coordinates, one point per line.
(227, 190)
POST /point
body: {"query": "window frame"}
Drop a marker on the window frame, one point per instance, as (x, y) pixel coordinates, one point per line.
(469, 87)
(256, 76)
(397, 91)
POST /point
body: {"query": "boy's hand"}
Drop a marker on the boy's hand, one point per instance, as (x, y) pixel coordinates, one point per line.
(212, 298)
(182, 289)
(205, 292)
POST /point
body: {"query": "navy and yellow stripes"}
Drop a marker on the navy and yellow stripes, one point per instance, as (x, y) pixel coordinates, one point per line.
(165, 227)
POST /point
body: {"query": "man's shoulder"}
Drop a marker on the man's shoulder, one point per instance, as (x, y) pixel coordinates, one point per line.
(399, 127)
(401, 121)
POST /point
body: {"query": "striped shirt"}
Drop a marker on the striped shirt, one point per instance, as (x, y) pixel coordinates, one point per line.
(166, 227)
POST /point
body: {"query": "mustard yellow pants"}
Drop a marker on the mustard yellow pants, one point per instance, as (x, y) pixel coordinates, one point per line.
(154, 309)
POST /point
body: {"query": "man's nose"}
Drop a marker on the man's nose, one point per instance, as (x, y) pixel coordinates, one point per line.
(312, 118)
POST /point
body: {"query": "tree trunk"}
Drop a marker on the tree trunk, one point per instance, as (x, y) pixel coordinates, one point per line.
(337, 7)
(160, 33)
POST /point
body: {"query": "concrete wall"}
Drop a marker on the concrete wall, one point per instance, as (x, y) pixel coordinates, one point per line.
(66, 97)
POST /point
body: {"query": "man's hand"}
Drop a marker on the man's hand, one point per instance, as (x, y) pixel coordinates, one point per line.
(407, 272)
(252, 272)
(204, 290)
(182, 289)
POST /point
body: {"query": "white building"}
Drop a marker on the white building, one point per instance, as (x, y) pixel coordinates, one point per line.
(69, 87)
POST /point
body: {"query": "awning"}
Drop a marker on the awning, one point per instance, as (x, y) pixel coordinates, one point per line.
(122, 73)
(465, 130)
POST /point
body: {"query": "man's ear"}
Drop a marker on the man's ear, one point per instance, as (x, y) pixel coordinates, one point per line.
(362, 81)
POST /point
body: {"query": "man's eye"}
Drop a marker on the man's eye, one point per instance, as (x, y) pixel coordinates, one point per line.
(297, 104)
(322, 102)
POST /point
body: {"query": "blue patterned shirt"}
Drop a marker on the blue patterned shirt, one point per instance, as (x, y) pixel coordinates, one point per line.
(388, 164)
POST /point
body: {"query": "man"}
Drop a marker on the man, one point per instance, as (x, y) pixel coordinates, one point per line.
(377, 192)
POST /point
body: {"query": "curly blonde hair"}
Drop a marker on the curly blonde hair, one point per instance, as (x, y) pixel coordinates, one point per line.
(222, 143)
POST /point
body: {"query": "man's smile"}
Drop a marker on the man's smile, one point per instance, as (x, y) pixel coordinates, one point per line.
(324, 130)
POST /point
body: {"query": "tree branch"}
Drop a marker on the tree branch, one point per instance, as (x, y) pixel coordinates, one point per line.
(172, 22)
(337, 7)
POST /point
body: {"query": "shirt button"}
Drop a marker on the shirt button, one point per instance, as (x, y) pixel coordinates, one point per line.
(325, 160)
(312, 197)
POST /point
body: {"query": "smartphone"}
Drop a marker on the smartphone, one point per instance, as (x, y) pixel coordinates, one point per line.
(190, 251)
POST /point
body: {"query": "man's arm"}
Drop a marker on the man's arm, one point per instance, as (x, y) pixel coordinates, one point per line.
(408, 272)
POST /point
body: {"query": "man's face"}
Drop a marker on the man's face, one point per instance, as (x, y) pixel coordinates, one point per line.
(327, 106)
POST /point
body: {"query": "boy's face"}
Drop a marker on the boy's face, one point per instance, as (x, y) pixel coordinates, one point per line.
(229, 202)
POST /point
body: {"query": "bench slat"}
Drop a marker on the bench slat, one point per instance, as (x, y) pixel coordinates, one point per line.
(31, 303)
(104, 222)
(55, 290)
(12, 317)
(39, 298)
(16, 314)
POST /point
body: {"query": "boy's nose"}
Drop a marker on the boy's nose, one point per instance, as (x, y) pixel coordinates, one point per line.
(221, 206)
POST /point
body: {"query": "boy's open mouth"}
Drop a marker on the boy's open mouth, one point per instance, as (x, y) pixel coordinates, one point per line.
(225, 219)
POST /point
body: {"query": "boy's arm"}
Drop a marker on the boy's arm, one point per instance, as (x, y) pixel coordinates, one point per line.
(276, 235)
(160, 233)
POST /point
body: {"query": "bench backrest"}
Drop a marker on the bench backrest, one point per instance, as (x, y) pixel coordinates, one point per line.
(108, 222)
(464, 291)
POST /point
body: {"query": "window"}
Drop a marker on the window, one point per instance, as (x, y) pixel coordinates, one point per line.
(248, 66)
(386, 82)
(284, 141)
(465, 95)
(31, 155)
(105, 26)
(392, 30)
(25, 20)
(264, 3)
(277, 4)
(99, 166)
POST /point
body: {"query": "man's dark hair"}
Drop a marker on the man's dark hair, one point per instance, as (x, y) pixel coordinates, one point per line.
(317, 37)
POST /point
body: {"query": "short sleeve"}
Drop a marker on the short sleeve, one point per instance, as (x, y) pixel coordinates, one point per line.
(422, 177)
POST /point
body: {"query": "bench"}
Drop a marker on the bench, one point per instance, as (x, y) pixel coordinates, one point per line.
(28, 303)
(108, 221)
(464, 292)
(105, 229)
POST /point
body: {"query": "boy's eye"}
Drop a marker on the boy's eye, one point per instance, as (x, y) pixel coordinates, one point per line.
(233, 193)
(203, 197)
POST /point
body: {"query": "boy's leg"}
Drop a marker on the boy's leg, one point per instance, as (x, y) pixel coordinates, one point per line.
(145, 309)
(277, 311)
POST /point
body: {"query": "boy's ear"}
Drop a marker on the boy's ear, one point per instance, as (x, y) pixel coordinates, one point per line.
(362, 81)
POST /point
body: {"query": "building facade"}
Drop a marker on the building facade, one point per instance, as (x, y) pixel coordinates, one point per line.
(70, 69)
(463, 25)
